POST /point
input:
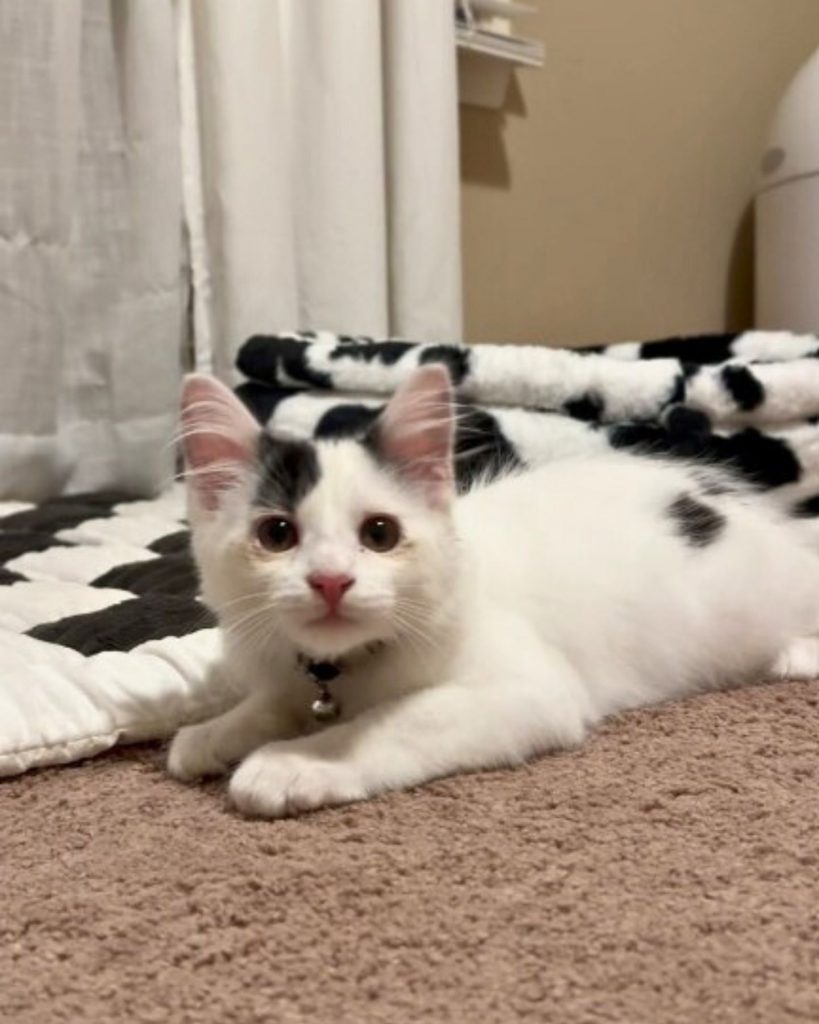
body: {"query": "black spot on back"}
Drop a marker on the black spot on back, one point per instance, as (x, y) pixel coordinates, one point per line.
(289, 470)
(745, 389)
(698, 523)
(455, 358)
(588, 407)
(347, 420)
(698, 348)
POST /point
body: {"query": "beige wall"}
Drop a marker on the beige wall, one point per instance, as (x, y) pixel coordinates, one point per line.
(610, 199)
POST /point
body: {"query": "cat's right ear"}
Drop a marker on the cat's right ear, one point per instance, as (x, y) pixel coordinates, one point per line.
(219, 438)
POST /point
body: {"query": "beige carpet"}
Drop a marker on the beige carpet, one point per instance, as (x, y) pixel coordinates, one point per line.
(667, 872)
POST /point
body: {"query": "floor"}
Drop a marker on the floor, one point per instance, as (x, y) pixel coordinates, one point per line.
(666, 872)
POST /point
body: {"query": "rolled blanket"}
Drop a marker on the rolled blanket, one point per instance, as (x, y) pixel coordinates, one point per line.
(749, 400)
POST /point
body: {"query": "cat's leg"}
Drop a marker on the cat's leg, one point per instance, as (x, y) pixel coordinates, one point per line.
(212, 747)
(519, 710)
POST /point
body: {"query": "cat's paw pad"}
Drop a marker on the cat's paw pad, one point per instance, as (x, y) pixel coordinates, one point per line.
(194, 754)
(274, 785)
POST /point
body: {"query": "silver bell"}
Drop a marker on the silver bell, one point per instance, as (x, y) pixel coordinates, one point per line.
(325, 708)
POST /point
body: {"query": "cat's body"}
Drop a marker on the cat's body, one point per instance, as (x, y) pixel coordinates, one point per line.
(503, 623)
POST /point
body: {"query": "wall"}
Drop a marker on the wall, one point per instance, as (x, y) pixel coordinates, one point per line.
(611, 197)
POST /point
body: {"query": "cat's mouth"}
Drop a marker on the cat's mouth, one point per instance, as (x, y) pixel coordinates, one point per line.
(332, 617)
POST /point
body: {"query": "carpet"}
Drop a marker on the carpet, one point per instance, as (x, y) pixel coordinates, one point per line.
(666, 872)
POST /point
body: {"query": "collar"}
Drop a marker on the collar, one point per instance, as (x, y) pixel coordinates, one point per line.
(321, 672)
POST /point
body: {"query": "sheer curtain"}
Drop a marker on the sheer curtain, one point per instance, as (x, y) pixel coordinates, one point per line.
(201, 170)
(320, 147)
(91, 268)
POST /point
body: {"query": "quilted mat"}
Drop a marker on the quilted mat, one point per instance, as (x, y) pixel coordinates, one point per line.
(102, 638)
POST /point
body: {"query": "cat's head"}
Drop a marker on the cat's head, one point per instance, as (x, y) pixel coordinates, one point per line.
(329, 544)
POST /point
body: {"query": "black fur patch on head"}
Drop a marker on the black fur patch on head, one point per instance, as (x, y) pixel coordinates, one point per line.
(289, 470)
(698, 523)
(745, 389)
(588, 407)
(455, 358)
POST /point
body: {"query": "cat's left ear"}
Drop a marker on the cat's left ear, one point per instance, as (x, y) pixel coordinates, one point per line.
(415, 433)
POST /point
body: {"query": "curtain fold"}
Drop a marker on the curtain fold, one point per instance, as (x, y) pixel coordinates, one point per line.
(321, 169)
(92, 293)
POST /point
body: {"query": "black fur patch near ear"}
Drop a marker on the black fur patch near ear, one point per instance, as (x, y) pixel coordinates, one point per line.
(698, 523)
(289, 470)
(745, 389)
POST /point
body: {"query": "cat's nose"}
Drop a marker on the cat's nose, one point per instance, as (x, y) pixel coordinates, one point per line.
(332, 586)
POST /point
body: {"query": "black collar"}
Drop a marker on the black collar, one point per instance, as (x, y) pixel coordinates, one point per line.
(322, 672)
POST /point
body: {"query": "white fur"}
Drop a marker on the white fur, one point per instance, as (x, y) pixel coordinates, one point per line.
(513, 620)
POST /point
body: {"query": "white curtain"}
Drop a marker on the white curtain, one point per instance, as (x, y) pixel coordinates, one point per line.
(294, 160)
(91, 282)
(320, 168)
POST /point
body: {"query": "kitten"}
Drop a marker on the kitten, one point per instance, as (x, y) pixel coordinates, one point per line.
(387, 632)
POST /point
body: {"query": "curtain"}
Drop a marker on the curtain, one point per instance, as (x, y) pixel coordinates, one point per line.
(320, 169)
(92, 290)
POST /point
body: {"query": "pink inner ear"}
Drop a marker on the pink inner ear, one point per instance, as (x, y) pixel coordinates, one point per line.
(415, 432)
(219, 437)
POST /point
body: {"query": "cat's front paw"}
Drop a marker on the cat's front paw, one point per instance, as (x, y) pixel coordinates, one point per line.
(274, 783)
(195, 754)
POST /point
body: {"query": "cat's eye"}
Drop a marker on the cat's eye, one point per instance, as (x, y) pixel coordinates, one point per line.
(379, 533)
(276, 533)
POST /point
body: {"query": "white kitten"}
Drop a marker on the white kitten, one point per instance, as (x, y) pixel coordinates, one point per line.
(460, 632)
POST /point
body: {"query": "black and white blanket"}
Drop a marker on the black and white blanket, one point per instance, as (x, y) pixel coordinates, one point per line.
(102, 637)
(748, 400)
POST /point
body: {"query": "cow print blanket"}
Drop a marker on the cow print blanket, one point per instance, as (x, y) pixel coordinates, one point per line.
(102, 637)
(748, 400)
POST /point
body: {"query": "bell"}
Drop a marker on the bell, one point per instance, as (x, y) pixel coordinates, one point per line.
(325, 708)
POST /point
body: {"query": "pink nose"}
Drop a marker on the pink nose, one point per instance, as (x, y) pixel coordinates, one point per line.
(331, 586)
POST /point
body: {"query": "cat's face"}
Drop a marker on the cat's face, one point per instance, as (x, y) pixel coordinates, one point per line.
(329, 545)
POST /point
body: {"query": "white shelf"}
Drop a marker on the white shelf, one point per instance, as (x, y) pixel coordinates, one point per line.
(489, 52)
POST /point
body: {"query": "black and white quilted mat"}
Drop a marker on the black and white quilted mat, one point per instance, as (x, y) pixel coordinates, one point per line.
(102, 638)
